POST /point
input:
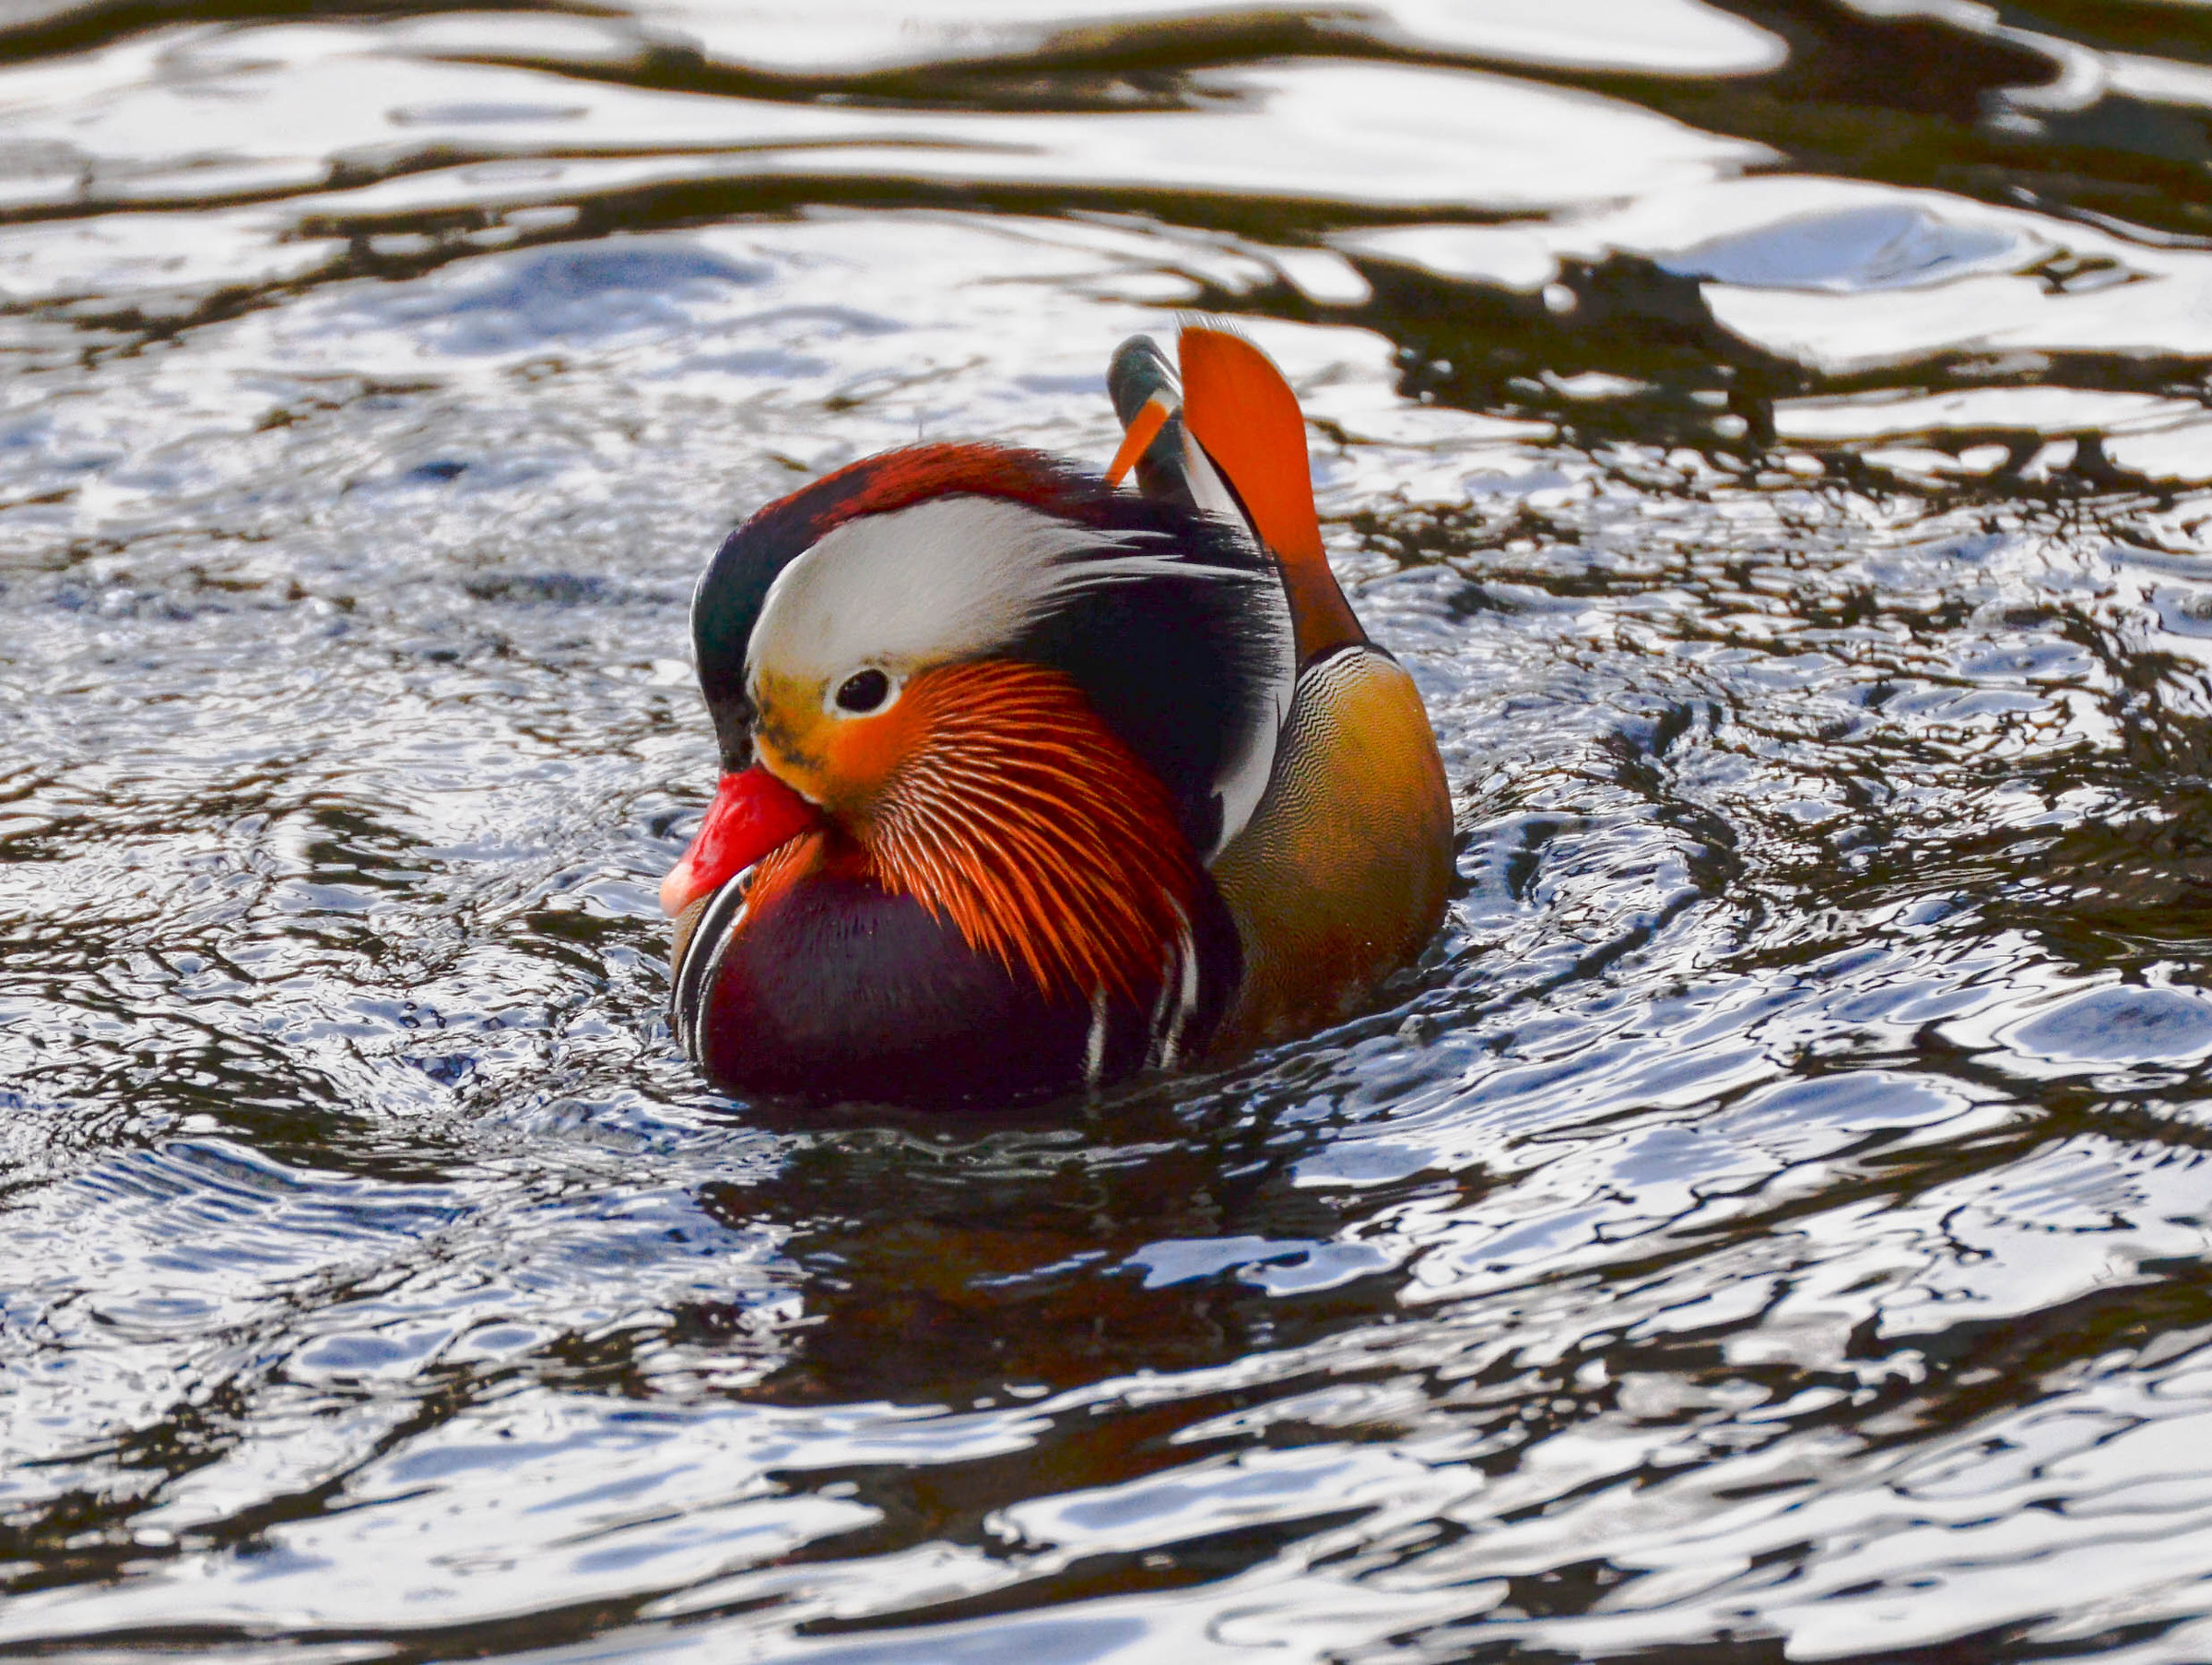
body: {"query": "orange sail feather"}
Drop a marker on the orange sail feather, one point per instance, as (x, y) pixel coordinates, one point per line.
(1239, 408)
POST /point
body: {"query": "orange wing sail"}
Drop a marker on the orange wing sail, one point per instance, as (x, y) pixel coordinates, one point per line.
(1238, 407)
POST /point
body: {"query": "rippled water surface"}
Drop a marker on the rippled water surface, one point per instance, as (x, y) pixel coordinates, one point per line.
(1771, 1223)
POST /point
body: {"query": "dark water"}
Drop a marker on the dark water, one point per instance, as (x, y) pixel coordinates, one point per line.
(1770, 1224)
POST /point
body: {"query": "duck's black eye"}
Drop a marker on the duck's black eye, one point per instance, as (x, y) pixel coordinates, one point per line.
(863, 692)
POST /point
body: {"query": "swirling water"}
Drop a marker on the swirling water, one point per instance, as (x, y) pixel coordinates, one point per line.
(1771, 1223)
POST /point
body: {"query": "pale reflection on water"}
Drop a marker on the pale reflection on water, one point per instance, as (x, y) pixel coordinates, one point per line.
(1771, 1221)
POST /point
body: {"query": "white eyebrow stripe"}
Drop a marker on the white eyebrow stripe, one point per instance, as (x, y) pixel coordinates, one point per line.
(948, 579)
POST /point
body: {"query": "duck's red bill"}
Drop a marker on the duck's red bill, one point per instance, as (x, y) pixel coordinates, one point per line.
(752, 814)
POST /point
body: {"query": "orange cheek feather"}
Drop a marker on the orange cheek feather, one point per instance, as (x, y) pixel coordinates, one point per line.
(993, 795)
(1007, 807)
(862, 753)
(839, 762)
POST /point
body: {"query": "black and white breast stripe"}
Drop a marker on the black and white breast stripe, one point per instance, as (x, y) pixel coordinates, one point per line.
(701, 963)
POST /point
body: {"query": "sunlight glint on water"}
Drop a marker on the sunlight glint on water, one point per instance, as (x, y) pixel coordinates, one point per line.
(1772, 1220)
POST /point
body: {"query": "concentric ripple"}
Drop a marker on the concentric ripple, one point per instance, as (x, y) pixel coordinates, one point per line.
(1771, 1223)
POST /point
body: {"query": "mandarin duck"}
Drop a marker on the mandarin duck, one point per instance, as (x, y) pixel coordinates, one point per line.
(1031, 781)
